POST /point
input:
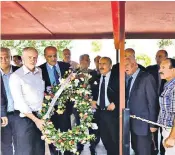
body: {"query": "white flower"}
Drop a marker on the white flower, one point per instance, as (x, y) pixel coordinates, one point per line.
(94, 126)
(76, 82)
(95, 82)
(43, 137)
(48, 141)
(47, 132)
(47, 97)
(82, 79)
(60, 111)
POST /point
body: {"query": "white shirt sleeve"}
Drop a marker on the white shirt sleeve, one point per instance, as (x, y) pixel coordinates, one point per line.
(16, 91)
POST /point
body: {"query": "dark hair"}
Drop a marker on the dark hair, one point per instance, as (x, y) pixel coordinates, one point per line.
(97, 57)
(172, 62)
(109, 59)
(66, 49)
(165, 52)
(49, 47)
(84, 55)
(18, 57)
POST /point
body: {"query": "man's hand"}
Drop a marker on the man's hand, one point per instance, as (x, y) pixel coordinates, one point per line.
(111, 107)
(4, 121)
(153, 129)
(169, 142)
(94, 104)
(39, 123)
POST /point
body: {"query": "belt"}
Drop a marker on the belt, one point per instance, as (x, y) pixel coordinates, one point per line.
(101, 109)
(10, 112)
(33, 112)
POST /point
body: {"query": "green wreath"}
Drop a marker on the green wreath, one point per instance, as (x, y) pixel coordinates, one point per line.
(78, 91)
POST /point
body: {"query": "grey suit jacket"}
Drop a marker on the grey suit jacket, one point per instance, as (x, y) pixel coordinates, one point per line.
(143, 102)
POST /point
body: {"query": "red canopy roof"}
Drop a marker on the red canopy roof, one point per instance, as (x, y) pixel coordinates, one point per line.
(84, 20)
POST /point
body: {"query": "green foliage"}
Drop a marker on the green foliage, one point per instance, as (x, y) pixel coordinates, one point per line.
(143, 59)
(96, 46)
(164, 42)
(40, 45)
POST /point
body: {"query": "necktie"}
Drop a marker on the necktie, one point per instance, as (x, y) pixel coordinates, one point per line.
(102, 94)
(56, 75)
(128, 88)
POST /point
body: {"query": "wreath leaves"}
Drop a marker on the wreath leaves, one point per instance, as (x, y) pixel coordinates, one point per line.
(78, 91)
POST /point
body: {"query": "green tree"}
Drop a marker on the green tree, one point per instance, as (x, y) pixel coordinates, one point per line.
(40, 45)
(143, 59)
(96, 46)
(164, 42)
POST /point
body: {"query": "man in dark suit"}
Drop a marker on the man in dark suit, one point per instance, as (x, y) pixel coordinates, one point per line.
(106, 102)
(4, 101)
(141, 99)
(130, 52)
(8, 135)
(154, 70)
(52, 71)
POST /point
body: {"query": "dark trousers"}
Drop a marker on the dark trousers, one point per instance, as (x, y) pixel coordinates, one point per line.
(80, 146)
(154, 145)
(162, 149)
(109, 131)
(63, 123)
(141, 144)
(8, 136)
(28, 137)
(94, 143)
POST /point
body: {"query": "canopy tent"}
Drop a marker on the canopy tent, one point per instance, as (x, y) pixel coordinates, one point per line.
(89, 20)
(84, 20)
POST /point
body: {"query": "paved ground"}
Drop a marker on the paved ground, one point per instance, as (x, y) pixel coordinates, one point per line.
(100, 150)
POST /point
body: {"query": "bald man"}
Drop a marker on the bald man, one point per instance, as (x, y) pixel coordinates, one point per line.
(141, 99)
(130, 52)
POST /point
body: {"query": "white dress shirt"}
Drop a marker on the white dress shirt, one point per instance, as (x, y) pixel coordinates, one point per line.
(27, 89)
(106, 86)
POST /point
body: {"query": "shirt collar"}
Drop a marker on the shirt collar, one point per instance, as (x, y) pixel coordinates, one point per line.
(107, 75)
(7, 73)
(50, 66)
(26, 70)
(169, 83)
(135, 74)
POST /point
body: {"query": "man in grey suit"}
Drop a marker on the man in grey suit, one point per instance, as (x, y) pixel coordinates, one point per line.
(141, 98)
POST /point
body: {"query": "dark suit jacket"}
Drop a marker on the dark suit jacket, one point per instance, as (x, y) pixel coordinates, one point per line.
(112, 90)
(4, 100)
(154, 71)
(142, 67)
(63, 68)
(143, 102)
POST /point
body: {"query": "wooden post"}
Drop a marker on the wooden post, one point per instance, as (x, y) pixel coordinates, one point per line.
(118, 18)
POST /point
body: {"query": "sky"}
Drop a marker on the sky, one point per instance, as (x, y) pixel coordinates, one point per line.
(141, 46)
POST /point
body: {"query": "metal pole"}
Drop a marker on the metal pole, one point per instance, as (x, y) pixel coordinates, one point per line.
(126, 132)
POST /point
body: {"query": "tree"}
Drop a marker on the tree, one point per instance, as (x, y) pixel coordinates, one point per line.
(96, 46)
(143, 59)
(164, 42)
(40, 45)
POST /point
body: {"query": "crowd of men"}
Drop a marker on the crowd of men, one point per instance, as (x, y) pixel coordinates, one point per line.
(150, 94)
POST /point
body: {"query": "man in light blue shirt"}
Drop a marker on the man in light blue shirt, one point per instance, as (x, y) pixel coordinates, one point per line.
(7, 133)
